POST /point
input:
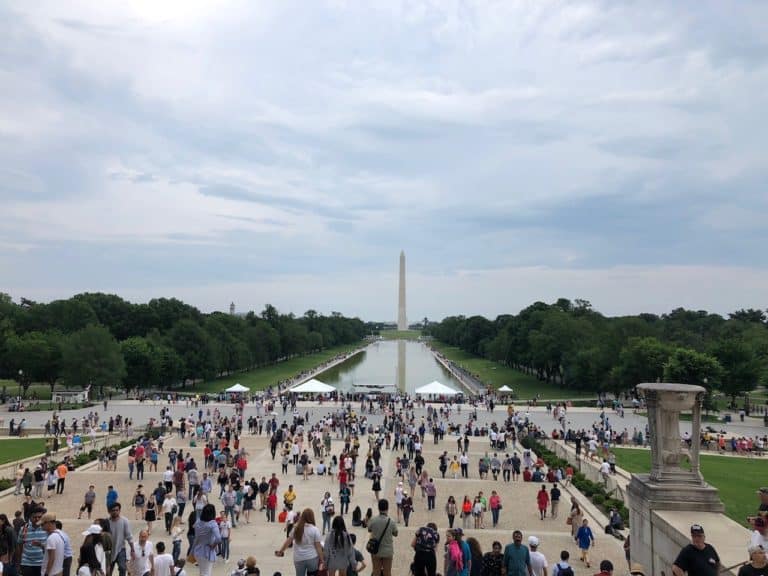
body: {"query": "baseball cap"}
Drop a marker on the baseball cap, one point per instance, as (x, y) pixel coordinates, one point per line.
(533, 541)
(762, 490)
(697, 529)
(754, 548)
(636, 568)
(93, 529)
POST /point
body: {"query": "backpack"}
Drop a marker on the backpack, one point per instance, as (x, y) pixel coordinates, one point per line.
(567, 571)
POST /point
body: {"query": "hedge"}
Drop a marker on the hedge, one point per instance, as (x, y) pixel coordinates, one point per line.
(595, 491)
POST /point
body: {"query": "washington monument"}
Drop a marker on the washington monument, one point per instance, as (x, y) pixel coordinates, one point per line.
(402, 321)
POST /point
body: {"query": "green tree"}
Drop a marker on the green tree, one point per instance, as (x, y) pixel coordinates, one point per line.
(686, 366)
(92, 356)
(641, 360)
(741, 367)
(142, 363)
(193, 346)
(38, 356)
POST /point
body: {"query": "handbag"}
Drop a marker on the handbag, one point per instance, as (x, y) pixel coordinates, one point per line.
(373, 544)
(569, 521)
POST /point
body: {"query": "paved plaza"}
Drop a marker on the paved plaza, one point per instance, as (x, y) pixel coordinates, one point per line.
(578, 417)
(260, 538)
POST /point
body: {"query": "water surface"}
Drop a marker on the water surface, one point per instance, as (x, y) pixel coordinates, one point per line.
(407, 364)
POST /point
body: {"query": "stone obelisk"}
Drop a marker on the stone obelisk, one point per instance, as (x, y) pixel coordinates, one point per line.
(402, 321)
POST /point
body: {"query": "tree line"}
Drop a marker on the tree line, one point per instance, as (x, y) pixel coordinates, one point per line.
(104, 340)
(573, 345)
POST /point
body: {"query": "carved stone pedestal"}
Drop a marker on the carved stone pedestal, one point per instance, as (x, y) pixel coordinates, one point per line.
(669, 486)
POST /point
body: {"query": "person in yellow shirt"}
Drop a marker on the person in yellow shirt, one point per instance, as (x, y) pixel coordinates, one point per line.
(61, 475)
(289, 497)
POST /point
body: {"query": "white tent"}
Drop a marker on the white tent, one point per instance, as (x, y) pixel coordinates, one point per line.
(505, 388)
(313, 386)
(436, 387)
(237, 388)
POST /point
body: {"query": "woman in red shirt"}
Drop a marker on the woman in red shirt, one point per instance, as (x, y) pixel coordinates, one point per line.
(542, 498)
(494, 503)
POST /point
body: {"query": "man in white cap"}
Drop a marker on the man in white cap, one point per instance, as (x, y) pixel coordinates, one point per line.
(538, 560)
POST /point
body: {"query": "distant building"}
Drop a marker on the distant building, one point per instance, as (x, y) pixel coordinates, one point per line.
(232, 309)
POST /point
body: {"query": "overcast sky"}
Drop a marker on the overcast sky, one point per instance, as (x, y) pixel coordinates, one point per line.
(284, 152)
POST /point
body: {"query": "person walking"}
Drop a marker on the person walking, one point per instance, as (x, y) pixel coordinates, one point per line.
(53, 553)
(453, 560)
(143, 554)
(554, 499)
(494, 503)
(384, 531)
(120, 533)
(492, 560)
(538, 560)
(585, 539)
(407, 507)
(169, 508)
(424, 544)
(476, 556)
(88, 500)
(542, 501)
(466, 512)
(451, 510)
(308, 555)
(327, 510)
(517, 557)
(32, 537)
(466, 553)
(339, 550)
(575, 517)
(207, 538)
(61, 475)
(431, 491)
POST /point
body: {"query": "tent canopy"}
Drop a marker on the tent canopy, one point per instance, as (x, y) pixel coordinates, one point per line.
(313, 386)
(505, 388)
(436, 387)
(237, 388)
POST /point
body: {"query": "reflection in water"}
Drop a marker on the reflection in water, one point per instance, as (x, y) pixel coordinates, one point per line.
(400, 376)
(384, 363)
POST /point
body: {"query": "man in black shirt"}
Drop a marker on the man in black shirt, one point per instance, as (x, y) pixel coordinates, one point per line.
(697, 558)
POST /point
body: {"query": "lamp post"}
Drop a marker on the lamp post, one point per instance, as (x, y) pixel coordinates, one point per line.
(21, 381)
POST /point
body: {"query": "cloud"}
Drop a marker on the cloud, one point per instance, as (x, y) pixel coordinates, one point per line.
(146, 144)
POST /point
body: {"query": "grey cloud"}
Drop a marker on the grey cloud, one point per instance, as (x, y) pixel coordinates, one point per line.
(290, 204)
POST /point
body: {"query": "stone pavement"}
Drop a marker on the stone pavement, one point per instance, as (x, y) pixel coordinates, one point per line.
(261, 539)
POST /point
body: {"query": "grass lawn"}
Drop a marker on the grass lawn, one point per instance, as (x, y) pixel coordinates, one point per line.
(261, 378)
(16, 449)
(400, 334)
(12, 388)
(497, 375)
(737, 479)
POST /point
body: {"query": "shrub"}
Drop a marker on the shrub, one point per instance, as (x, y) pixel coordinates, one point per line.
(598, 499)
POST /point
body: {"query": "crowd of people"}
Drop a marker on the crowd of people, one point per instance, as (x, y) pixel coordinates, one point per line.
(200, 503)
